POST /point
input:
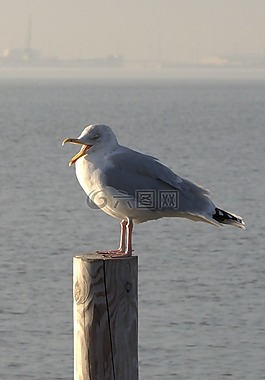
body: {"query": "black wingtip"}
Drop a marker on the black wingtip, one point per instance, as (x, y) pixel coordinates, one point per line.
(225, 217)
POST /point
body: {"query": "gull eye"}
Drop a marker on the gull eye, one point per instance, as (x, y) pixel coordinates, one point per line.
(96, 137)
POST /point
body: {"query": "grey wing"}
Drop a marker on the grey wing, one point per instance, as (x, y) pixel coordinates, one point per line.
(131, 172)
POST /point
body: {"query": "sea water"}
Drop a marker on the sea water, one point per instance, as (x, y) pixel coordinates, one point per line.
(201, 288)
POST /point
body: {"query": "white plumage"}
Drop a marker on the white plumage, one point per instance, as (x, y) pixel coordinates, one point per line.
(135, 187)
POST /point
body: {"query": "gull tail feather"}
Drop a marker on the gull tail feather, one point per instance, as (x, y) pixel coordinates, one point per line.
(225, 217)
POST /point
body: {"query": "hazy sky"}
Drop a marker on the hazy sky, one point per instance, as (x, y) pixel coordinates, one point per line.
(183, 30)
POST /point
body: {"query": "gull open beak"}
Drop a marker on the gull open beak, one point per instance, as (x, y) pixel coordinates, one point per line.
(82, 151)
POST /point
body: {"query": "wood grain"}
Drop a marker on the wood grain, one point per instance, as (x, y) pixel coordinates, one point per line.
(105, 318)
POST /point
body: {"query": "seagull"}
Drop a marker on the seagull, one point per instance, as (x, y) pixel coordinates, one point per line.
(134, 187)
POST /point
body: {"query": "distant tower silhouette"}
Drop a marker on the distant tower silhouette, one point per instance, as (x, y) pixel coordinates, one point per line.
(28, 50)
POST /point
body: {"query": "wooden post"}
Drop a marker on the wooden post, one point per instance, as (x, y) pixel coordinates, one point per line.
(105, 318)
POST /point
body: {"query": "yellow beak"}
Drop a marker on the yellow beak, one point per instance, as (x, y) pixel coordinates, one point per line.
(82, 151)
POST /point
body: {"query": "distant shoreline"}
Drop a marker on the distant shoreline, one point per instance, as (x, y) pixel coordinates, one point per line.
(134, 73)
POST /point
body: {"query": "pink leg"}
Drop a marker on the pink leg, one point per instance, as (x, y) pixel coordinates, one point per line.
(123, 224)
(129, 228)
(121, 249)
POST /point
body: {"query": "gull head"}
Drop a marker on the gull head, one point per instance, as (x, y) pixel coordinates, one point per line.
(95, 137)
